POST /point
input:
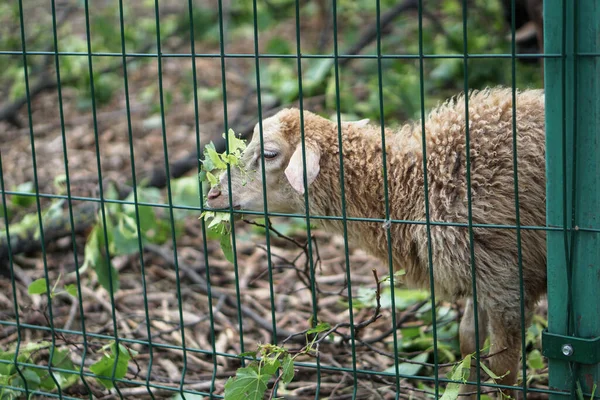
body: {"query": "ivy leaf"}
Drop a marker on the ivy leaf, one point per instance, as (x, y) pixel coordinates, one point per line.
(37, 287)
(288, 369)
(249, 383)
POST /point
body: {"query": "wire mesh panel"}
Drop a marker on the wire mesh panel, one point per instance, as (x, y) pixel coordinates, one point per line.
(293, 199)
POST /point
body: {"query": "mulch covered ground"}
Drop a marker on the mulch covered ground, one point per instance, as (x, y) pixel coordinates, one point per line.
(154, 297)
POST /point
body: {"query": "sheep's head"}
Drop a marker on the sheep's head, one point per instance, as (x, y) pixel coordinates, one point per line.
(283, 164)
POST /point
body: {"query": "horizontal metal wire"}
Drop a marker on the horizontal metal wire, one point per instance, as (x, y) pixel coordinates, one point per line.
(293, 215)
(309, 365)
(288, 56)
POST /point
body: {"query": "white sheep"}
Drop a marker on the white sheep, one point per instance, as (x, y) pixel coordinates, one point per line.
(492, 190)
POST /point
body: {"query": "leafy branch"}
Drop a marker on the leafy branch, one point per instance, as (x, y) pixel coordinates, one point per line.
(213, 165)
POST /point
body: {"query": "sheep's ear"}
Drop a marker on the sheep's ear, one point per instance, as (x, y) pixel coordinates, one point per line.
(294, 171)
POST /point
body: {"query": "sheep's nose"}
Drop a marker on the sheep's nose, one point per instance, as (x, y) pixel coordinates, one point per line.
(213, 193)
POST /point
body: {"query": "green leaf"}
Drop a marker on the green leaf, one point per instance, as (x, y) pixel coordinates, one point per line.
(62, 359)
(250, 383)
(34, 346)
(535, 360)
(236, 145)
(214, 157)
(407, 368)
(96, 258)
(23, 200)
(7, 369)
(404, 298)
(211, 179)
(33, 380)
(207, 163)
(71, 289)
(287, 367)
(321, 327)
(248, 354)
(123, 236)
(226, 246)
(270, 366)
(232, 159)
(491, 373)
(37, 287)
(460, 372)
(108, 363)
(451, 392)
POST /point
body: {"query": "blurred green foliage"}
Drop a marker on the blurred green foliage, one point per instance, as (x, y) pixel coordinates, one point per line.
(359, 96)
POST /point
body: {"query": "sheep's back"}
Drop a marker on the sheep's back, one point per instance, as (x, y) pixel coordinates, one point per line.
(492, 194)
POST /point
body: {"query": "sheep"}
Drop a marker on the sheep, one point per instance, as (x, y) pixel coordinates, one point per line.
(492, 191)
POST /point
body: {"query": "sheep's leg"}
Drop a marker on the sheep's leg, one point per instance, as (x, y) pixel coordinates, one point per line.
(467, 340)
(505, 339)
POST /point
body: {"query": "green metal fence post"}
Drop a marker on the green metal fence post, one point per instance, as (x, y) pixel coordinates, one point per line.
(572, 28)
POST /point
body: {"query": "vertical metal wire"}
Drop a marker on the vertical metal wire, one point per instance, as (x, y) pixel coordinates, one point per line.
(136, 205)
(170, 197)
(200, 191)
(264, 177)
(426, 192)
(101, 194)
(517, 204)
(571, 325)
(343, 196)
(13, 281)
(264, 180)
(231, 213)
(69, 200)
(313, 288)
(37, 202)
(567, 222)
(386, 196)
(469, 195)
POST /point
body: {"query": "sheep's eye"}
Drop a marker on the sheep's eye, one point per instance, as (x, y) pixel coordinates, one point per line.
(269, 155)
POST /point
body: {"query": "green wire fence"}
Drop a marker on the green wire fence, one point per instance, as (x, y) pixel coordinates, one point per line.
(94, 361)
